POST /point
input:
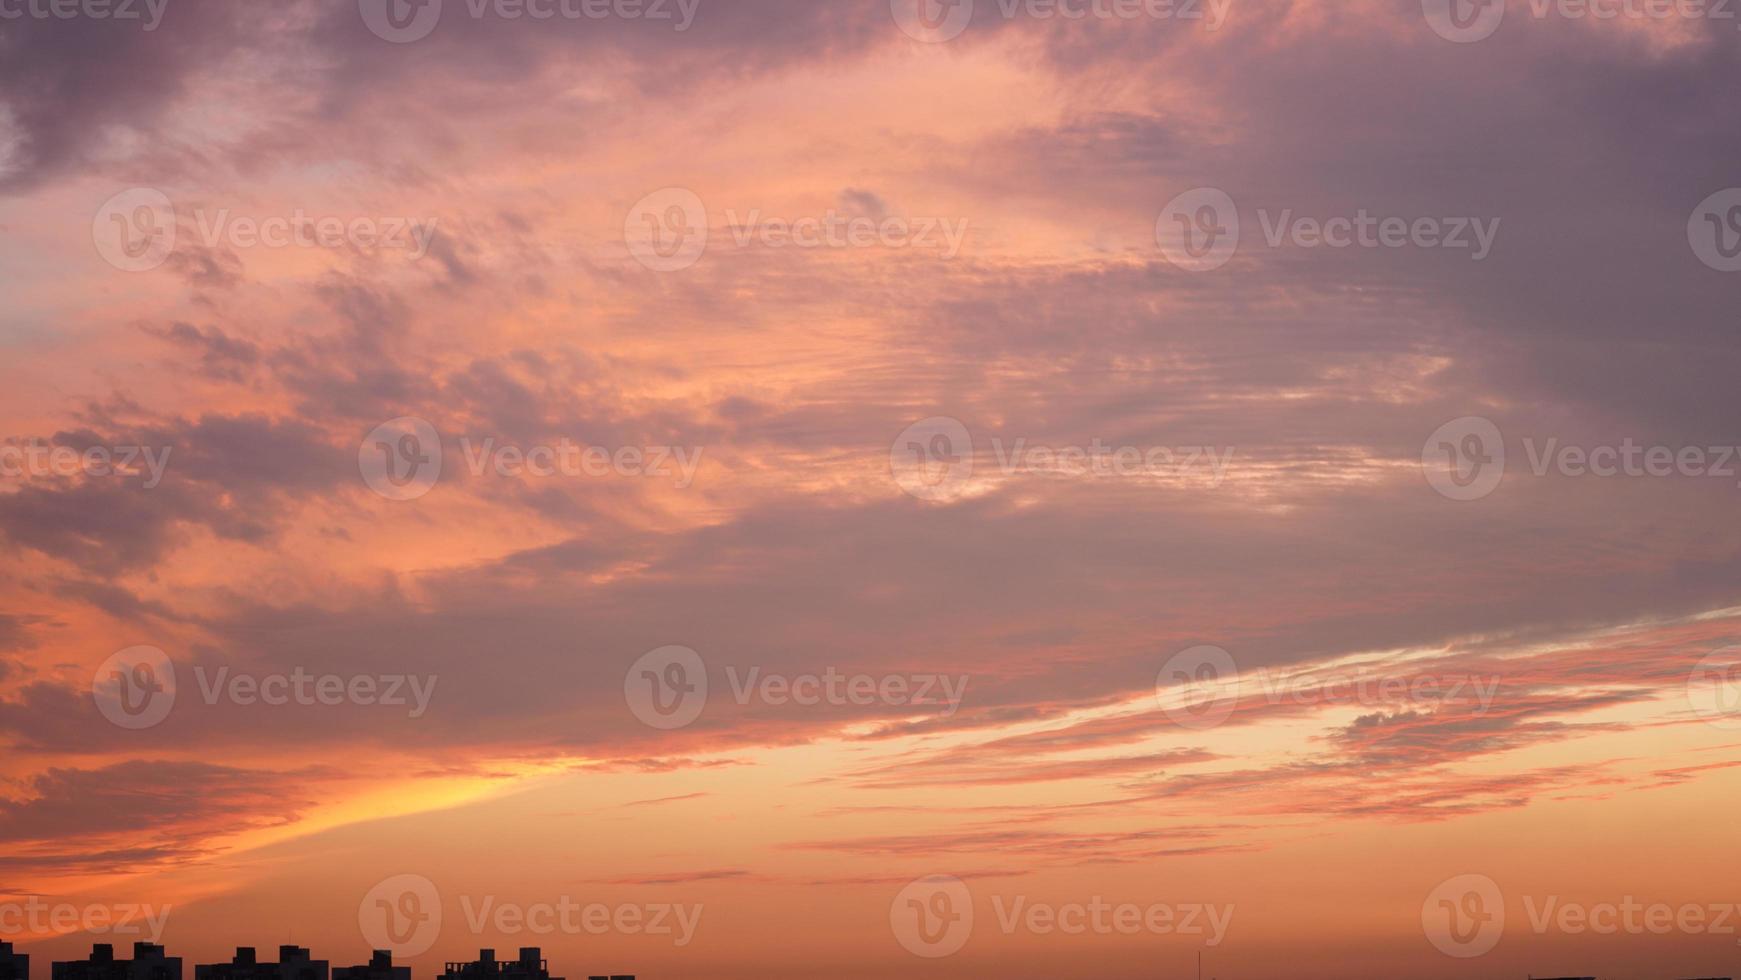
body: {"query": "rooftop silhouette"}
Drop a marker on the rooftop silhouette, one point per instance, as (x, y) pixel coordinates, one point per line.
(294, 963)
(530, 966)
(148, 963)
(379, 967)
(13, 966)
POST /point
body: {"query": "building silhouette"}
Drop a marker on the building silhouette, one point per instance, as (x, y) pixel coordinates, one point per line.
(530, 966)
(13, 966)
(294, 963)
(380, 967)
(148, 963)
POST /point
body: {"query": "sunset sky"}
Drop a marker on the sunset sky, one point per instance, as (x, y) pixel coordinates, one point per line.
(814, 464)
